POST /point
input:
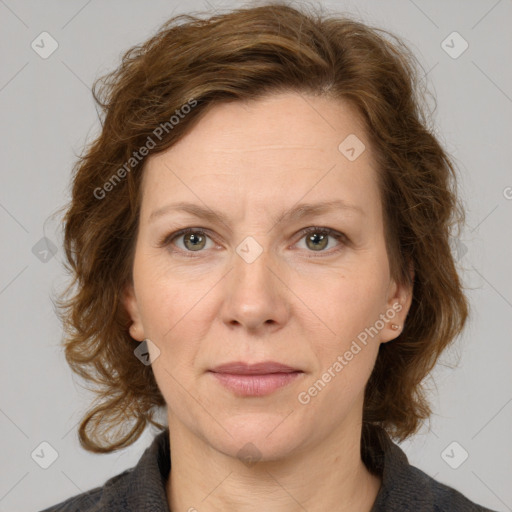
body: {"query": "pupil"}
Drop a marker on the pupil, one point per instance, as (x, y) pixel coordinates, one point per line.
(194, 239)
(317, 238)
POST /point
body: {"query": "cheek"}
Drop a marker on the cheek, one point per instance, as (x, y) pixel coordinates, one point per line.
(176, 313)
(170, 311)
(174, 320)
(344, 301)
(348, 306)
(167, 297)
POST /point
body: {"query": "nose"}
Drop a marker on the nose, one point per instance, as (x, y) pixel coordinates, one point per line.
(256, 295)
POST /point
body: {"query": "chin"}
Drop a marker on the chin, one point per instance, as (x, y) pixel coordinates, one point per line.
(258, 440)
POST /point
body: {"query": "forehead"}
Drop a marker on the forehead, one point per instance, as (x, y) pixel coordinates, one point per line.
(272, 150)
(286, 120)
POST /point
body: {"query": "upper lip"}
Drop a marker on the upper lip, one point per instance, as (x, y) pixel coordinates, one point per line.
(263, 368)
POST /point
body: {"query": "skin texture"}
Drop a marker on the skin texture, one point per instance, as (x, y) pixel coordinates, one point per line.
(292, 304)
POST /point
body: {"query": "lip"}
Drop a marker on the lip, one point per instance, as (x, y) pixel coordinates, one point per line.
(263, 368)
(258, 379)
(255, 385)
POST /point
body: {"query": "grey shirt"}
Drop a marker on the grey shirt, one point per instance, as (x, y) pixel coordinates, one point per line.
(404, 488)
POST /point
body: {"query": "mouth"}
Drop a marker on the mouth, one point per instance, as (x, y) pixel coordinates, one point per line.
(258, 379)
(263, 368)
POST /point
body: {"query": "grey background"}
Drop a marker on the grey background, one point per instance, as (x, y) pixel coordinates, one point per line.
(47, 114)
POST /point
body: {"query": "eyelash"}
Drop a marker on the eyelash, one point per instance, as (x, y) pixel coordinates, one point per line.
(340, 237)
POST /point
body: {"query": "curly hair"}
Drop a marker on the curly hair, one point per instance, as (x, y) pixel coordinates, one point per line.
(242, 55)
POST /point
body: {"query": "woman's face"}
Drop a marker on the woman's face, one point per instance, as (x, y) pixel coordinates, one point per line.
(251, 286)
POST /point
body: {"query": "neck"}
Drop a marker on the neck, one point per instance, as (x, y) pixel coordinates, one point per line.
(315, 479)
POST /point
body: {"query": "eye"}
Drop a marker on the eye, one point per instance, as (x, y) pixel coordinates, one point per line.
(195, 240)
(317, 238)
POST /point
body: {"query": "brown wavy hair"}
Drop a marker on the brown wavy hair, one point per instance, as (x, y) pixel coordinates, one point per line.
(244, 54)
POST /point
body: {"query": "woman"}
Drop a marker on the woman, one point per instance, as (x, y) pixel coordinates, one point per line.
(259, 240)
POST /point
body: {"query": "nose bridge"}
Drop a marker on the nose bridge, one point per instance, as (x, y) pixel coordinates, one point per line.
(252, 273)
(255, 294)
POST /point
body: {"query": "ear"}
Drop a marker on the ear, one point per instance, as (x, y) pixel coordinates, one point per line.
(129, 301)
(398, 305)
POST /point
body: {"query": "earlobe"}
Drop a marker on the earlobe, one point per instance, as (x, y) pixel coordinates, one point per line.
(398, 304)
(129, 302)
(394, 321)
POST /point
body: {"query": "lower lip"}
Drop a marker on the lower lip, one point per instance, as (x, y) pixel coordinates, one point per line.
(255, 385)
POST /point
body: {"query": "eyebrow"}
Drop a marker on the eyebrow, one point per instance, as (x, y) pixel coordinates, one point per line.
(296, 213)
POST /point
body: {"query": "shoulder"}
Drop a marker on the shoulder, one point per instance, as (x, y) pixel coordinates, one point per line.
(85, 502)
(95, 499)
(406, 487)
(139, 488)
(426, 493)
